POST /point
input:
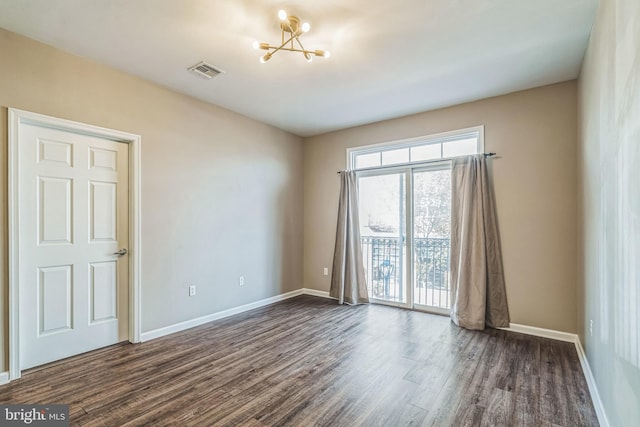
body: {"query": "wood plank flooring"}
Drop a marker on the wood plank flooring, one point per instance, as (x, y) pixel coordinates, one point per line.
(309, 362)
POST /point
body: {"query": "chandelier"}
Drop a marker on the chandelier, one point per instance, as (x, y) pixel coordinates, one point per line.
(292, 29)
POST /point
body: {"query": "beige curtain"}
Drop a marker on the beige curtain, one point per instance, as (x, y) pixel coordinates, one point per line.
(348, 283)
(477, 278)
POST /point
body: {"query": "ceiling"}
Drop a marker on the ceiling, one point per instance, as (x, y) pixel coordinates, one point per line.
(388, 59)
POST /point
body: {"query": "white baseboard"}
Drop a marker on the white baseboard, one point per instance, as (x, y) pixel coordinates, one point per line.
(4, 377)
(316, 293)
(161, 332)
(591, 382)
(541, 332)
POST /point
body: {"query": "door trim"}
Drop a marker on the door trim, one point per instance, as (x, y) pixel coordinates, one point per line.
(18, 117)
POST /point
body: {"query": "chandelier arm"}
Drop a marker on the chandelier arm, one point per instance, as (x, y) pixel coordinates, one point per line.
(300, 43)
(281, 47)
(310, 52)
(293, 33)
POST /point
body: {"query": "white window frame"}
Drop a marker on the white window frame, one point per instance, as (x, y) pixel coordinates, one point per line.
(438, 138)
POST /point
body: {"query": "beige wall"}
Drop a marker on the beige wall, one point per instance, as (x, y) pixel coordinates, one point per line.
(609, 159)
(221, 194)
(534, 133)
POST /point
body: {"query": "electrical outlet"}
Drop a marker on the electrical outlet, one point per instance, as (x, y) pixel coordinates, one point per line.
(192, 290)
(590, 328)
(241, 281)
(325, 271)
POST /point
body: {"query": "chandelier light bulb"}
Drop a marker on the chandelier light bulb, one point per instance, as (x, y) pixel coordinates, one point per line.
(264, 58)
(323, 53)
(256, 45)
(306, 27)
(282, 14)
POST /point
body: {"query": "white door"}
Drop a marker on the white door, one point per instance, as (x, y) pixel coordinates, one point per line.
(73, 202)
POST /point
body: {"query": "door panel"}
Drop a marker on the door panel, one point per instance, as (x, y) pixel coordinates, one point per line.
(54, 203)
(54, 299)
(104, 159)
(103, 291)
(54, 152)
(103, 211)
(74, 216)
(431, 237)
(383, 231)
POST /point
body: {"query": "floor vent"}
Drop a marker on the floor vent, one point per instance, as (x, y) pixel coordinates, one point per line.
(205, 70)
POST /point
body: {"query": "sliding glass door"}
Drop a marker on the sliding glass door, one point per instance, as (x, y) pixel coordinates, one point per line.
(405, 232)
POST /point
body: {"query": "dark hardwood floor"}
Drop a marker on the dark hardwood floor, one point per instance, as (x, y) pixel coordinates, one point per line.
(309, 362)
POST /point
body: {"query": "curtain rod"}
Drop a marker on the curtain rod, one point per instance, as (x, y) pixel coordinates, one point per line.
(409, 164)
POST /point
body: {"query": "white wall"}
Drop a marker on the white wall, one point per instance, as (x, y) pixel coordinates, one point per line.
(609, 168)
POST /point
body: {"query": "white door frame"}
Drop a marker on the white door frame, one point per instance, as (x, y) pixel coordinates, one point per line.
(15, 119)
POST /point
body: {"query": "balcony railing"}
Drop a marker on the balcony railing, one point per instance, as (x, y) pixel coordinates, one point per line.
(384, 265)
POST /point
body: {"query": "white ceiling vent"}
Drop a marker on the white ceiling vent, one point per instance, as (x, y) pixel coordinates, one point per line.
(205, 70)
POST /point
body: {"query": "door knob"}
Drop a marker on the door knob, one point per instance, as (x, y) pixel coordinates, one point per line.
(121, 252)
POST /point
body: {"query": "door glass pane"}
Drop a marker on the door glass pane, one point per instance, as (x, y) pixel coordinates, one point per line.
(431, 237)
(382, 231)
